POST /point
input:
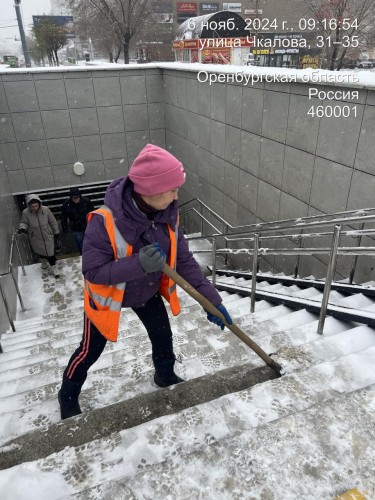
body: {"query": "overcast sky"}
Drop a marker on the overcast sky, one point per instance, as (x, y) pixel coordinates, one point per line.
(29, 8)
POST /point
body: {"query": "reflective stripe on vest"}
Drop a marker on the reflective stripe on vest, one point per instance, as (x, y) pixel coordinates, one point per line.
(103, 302)
(168, 287)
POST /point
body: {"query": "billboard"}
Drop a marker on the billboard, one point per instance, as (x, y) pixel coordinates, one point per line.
(190, 7)
(208, 8)
(233, 7)
(63, 21)
(186, 10)
(216, 56)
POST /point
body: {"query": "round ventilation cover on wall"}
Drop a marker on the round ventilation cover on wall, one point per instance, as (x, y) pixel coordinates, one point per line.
(78, 168)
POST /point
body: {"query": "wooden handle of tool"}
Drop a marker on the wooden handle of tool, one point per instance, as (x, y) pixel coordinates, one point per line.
(208, 306)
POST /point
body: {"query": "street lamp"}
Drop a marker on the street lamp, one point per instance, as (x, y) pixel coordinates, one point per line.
(22, 34)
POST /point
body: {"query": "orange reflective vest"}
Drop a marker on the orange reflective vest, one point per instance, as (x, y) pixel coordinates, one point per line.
(103, 303)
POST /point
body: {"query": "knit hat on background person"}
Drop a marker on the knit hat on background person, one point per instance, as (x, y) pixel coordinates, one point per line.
(33, 198)
(156, 171)
(75, 192)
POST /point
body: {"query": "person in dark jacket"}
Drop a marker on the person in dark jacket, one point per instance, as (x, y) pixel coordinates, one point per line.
(75, 210)
(127, 243)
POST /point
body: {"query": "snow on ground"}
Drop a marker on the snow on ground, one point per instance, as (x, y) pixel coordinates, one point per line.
(42, 294)
(310, 434)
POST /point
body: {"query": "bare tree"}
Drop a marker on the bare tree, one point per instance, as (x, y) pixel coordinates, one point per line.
(344, 25)
(94, 26)
(123, 17)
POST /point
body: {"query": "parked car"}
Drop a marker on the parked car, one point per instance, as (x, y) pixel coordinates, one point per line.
(364, 64)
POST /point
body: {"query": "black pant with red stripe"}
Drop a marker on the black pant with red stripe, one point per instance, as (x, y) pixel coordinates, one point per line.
(155, 319)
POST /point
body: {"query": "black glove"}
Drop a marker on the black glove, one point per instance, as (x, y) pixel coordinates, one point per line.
(152, 258)
(21, 230)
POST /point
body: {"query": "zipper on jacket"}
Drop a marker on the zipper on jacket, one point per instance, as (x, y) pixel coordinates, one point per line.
(153, 225)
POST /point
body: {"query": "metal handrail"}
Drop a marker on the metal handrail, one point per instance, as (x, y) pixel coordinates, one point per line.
(295, 251)
(14, 242)
(207, 208)
(203, 219)
(301, 224)
(298, 223)
(355, 233)
(257, 232)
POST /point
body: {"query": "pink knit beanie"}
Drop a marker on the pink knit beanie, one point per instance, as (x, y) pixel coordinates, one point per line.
(156, 171)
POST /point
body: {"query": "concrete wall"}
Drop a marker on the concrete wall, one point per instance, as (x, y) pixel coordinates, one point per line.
(50, 120)
(253, 154)
(8, 219)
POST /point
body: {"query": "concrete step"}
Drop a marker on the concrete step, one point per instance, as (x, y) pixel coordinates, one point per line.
(250, 462)
(198, 359)
(25, 324)
(132, 342)
(192, 392)
(54, 320)
(64, 329)
(269, 416)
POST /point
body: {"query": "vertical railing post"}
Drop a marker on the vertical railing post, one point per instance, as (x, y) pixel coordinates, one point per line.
(254, 274)
(296, 268)
(330, 273)
(19, 255)
(17, 290)
(226, 245)
(27, 250)
(213, 261)
(355, 259)
(201, 218)
(6, 306)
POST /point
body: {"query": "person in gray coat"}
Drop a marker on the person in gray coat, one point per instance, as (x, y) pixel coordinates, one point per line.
(43, 231)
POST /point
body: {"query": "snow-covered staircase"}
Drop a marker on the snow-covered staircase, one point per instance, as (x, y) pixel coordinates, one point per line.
(347, 302)
(308, 434)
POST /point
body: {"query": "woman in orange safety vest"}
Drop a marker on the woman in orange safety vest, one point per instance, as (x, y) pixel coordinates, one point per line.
(127, 243)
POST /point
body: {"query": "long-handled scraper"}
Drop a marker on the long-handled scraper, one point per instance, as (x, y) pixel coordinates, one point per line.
(208, 306)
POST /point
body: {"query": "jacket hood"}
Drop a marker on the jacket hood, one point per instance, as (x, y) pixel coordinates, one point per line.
(130, 221)
(31, 197)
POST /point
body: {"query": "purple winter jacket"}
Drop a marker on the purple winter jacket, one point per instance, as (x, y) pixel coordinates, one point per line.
(99, 266)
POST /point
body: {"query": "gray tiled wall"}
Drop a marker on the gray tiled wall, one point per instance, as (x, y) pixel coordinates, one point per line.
(262, 157)
(102, 118)
(6, 228)
(50, 120)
